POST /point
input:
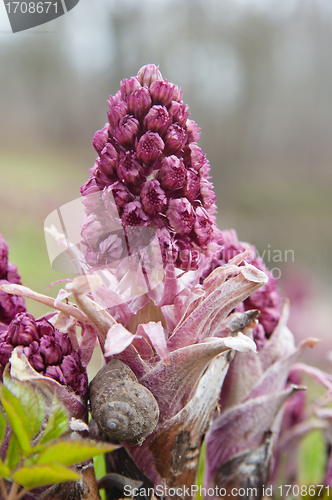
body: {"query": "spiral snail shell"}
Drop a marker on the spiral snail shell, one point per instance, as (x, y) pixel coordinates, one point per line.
(124, 409)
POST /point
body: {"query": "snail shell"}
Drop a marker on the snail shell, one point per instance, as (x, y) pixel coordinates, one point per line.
(124, 409)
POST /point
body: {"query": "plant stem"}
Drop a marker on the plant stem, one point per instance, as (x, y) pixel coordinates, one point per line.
(21, 494)
(13, 491)
(3, 488)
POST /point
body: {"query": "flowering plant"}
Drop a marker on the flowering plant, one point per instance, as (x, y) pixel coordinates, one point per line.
(189, 320)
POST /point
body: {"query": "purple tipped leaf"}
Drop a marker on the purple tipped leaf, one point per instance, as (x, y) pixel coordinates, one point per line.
(275, 377)
(249, 280)
(243, 374)
(212, 310)
(242, 427)
(173, 385)
(280, 343)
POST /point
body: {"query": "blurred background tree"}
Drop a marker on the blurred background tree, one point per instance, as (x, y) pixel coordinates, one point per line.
(257, 75)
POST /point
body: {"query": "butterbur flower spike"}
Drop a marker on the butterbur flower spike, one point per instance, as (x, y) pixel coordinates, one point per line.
(188, 318)
(151, 153)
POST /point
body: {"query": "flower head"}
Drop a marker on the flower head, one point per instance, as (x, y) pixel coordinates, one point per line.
(149, 158)
(48, 351)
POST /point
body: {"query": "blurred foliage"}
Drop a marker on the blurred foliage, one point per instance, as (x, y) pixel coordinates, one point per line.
(312, 458)
(256, 75)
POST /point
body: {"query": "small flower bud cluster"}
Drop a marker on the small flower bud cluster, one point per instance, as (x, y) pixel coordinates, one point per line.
(10, 305)
(150, 164)
(267, 299)
(49, 351)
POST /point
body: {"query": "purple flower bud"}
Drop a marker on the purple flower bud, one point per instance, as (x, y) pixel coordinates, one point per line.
(179, 112)
(127, 130)
(22, 330)
(153, 198)
(269, 319)
(207, 194)
(175, 139)
(139, 102)
(108, 160)
(55, 372)
(203, 226)
(5, 353)
(129, 86)
(121, 194)
(64, 342)
(191, 186)
(90, 186)
(194, 156)
(92, 232)
(34, 357)
(3, 258)
(172, 173)
(112, 249)
(114, 100)
(130, 170)
(100, 138)
(163, 92)
(149, 74)
(50, 351)
(102, 180)
(116, 113)
(10, 305)
(193, 131)
(12, 274)
(150, 147)
(74, 378)
(181, 215)
(108, 203)
(134, 215)
(157, 119)
(187, 257)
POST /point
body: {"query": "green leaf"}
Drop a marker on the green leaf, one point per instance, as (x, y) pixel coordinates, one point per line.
(13, 453)
(29, 398)
(200, 472)
(17, 419)
(41, 475)
(57, 424)
(100, 471)
(3, 422)
(312, 458)
(99, 466)
(4, 470)
(72, 452)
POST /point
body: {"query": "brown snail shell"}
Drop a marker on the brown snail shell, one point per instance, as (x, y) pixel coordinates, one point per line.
(123, 408)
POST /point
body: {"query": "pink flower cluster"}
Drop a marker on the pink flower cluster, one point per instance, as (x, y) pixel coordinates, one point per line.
(10, 305)
(151, 167)
(48, 351)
